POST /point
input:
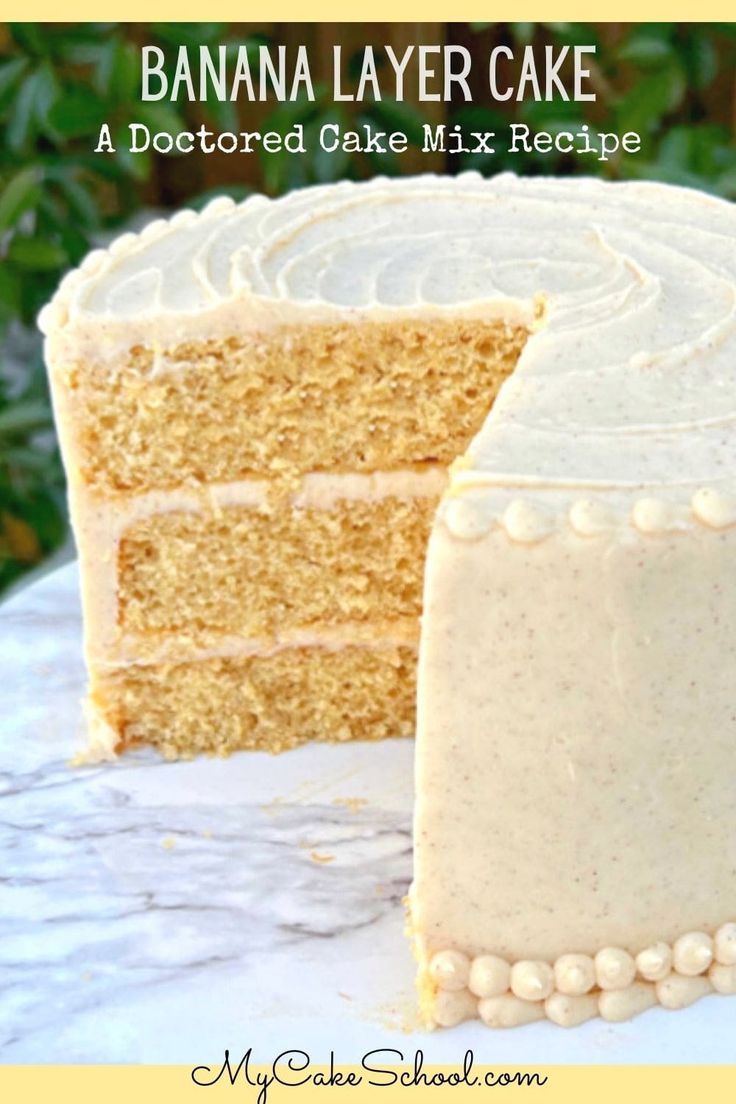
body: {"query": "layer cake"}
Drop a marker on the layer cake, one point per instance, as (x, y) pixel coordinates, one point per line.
(293, 426)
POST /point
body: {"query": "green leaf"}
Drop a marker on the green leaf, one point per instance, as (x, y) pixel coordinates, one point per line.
(540, 113)
(81, 53)
(135, 165)
(392, 115)
(82, 204)
(74, 242)
(19, 195)
(119, 73)
(387, 164)
(76, 114)
(252, 46)
(161, 116)
(523, 33)
(222, 113)
(282, 118)
(9, 296)
(189, 34)
(21, 115)
(21, 418)
(10, 72)
(674, 149)
(648, 51)
(700, 59)
(574, 34)
(37, 254)
(237, 192)
(48, 90)
(654, 96)
(31, 107)
(326, 167)
(725, 184)
(275, 169)
(30, 37)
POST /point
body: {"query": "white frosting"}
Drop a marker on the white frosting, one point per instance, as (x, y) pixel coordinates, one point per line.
(692, 953)
(627, 382)
(725, 945)
(714, 508)
(678, 991)
(651, 515)
(723, 979)
(654, 963)
(617, 1005)
(614, 968)
(466, 518)
(589, 518)
(490, 976)
(578, 987)
(574, 974)
(453, 1006)
(450, 970)
(527, 523)
(510, 1011)
(570, 1011)
(532, 981)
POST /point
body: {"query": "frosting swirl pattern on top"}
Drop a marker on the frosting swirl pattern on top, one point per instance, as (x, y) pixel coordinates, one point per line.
(629, 381)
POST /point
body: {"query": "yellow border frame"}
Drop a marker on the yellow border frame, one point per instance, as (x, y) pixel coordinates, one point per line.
(389, 11)
(566, 1084)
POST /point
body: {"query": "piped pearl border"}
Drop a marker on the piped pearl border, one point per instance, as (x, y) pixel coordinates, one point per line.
(527, 522)
(56, 313)
(612, 984)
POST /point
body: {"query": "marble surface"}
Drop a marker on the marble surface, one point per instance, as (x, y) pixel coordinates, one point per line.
(155, 912)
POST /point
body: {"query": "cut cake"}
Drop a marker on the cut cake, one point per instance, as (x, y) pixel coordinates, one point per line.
(258, 408)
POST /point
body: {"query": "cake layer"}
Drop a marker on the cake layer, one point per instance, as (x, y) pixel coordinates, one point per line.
(311, 398)
(269, 703)
(116, 628)
(258, 572)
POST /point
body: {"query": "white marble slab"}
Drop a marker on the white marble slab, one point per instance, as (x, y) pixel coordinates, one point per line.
(154, 912)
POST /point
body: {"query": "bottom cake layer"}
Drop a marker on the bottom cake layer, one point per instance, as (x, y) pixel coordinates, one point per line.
(268, 703)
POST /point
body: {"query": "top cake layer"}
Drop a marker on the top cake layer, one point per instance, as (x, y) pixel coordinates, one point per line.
(627, 381)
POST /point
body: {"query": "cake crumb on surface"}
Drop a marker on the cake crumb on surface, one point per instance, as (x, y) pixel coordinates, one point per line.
(354, 804)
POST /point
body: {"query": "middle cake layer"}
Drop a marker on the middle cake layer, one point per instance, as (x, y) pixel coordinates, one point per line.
(258, 571)
(232, 570)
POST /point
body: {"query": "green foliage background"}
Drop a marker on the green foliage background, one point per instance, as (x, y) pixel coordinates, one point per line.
(60, 82)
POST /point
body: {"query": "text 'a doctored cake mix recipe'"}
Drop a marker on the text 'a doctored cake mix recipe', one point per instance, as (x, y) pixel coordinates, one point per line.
(368, 532)
(425, 74)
